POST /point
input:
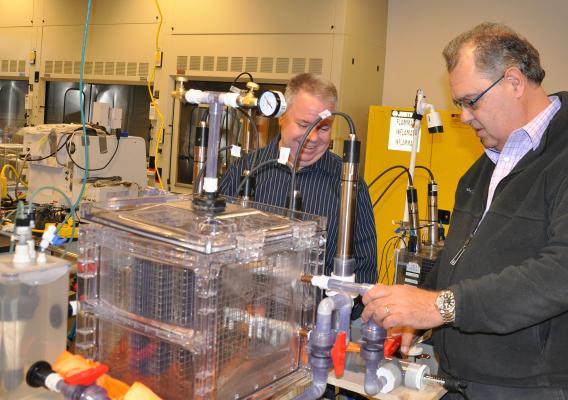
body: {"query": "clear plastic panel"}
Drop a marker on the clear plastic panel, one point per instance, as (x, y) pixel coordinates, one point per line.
(222, 319)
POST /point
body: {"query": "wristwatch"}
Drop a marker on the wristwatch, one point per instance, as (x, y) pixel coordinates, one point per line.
(446, 305)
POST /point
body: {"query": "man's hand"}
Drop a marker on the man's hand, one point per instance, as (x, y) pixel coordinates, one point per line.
(401, 306)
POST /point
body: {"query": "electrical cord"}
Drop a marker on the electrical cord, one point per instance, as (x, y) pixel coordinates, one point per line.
(16, 174)
(154, 104)
(427, 170)
(455, 386)
(241, 74)
(238, 137)
(198, 179)
(229, 132)
(387, 188)
(384, 256)
(26, 158)
(390, 169)
(67, 137)
(189, 141)
(92, 169)
(222, 149)
(294, 165)
(205, 115)
(252, 171)
(20, 174)
(256, 135)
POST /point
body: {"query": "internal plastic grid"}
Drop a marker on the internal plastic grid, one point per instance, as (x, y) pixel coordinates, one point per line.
(162, 366)
(256, 325)
(148, 288)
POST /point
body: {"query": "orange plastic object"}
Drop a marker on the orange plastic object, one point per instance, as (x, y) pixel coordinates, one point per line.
(338, 354)
(353, 347)
(68, 364)
(76, 369)
(115, 389)
(140, 392)
(391, 345)
(87, 377)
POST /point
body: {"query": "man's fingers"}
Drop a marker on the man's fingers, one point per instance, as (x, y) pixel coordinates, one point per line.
(407, 340)
(377, 292)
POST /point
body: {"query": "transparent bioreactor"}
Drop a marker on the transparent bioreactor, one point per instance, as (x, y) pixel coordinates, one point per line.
(198, 305)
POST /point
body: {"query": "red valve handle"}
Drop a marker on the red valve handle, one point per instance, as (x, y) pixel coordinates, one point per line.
(391, 345)
(87, 377)
(338, 354)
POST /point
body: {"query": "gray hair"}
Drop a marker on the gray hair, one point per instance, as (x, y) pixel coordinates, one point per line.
(313, 84)
(496, 48)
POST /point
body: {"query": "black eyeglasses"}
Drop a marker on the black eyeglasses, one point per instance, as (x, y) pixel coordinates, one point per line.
(470, 103)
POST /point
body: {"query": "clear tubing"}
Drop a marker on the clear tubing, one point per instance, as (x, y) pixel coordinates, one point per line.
(215, 114)
(323, 321)
(345, 315)
(349, 287)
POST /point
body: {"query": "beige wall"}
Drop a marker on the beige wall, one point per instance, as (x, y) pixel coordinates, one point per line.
(418, 30)
(345, 39)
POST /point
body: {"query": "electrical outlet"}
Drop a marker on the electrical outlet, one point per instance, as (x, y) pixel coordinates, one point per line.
(158, 57)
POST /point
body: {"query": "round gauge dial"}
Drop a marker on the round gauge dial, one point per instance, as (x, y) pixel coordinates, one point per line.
(272, 103)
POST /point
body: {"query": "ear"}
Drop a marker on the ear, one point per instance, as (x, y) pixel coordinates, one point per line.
(517, 80)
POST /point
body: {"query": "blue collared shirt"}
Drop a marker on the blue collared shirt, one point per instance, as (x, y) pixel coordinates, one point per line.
(519, 143)
(319, 186)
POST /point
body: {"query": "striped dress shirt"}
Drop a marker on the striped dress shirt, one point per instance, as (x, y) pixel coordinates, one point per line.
(519, 143)
(319, 186)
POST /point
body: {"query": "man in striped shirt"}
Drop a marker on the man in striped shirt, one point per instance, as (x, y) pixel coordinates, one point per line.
(318, 177)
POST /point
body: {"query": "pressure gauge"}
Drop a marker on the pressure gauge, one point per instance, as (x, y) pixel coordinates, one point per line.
(272, 103)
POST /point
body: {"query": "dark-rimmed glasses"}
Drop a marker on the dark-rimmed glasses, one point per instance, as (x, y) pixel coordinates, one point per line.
(470, 103)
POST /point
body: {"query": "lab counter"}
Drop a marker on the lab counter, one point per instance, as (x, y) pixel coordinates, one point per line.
(354, 381)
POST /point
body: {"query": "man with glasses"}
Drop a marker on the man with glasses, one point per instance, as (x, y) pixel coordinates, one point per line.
(500, 307)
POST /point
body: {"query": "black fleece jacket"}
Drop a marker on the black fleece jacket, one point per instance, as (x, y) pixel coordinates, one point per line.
(511, 282)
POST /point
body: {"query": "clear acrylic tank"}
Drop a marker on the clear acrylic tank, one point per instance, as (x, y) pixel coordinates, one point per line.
(33, 319)
(195, 305)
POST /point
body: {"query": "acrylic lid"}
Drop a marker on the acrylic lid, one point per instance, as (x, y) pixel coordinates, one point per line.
(173, 220)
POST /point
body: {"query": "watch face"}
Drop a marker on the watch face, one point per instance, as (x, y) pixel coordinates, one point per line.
(446, 305)
(446, 301)
(440, 302)
(449, 303)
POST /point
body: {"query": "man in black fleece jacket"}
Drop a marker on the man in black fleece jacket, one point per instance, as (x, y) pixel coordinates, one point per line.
(500, 304)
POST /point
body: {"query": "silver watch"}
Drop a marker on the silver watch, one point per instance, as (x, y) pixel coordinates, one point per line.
(446, 305)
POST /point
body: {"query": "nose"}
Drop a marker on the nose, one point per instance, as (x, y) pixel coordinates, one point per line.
(313, 134)
(466, 116)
